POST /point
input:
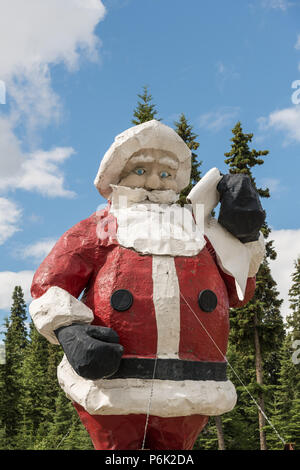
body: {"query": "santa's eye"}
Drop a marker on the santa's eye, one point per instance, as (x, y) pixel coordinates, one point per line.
(164, 174)
(139, 171)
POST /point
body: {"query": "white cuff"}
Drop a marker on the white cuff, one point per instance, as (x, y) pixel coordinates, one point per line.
(205, 192)
(256, 252)
(57, 308)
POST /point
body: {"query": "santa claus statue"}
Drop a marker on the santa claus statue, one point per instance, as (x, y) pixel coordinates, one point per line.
(145, 346)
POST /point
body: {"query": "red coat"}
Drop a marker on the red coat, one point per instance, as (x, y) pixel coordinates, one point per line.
(82, 261)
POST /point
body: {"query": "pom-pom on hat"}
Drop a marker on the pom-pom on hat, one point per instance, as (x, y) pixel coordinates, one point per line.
(149, 135)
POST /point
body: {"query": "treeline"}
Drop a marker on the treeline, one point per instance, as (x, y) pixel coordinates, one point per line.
(263, 363)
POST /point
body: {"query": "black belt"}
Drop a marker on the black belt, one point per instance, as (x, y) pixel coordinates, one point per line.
(170, 369)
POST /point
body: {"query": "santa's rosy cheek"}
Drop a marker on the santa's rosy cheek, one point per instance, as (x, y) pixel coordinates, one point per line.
(133, 180)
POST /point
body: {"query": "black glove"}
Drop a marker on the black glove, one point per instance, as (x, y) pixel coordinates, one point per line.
(94, 352)
(241, 212)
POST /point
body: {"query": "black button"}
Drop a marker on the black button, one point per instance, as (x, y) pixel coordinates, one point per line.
(121, 300)
(207, 300)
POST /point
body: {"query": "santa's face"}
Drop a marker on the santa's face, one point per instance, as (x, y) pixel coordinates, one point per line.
(150, 169)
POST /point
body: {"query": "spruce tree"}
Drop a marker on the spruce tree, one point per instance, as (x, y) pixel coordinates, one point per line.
(34, 397)
(241, 159)
(78, 437)
(2, 409)
(15, 342)
(240, 424)
(57, 430)
(258, 327)
(293, 430)
(283, 401)
(66, 432)
(52, 388)
(185, 131)
(208, 438)
(286, 410)
(293, 320)
(51, 392)
(145, 110)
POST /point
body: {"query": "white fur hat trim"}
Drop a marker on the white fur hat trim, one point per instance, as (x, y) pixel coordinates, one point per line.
(149, 135)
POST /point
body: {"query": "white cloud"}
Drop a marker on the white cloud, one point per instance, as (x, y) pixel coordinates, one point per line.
(10, 149)
(286, 120)
(10, 215)
(37, 251)
(217, 120)
(287, 246)
(2, 92)
(35, 35)
(8, 281)
(277, 4)
(40, 173)
(37, 171)
(51, 31)
(35, 99)
(273, 184)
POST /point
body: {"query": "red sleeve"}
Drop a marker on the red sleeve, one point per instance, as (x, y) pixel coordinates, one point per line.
(234, 301)
(71, 262)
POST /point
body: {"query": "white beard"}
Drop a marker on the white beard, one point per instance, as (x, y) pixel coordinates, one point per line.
(150, 222)
(166, 196)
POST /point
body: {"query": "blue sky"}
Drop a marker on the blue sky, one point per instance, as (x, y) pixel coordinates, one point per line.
(72, 85)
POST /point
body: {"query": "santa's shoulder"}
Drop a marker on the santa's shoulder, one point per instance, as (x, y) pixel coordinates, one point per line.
(88, 231)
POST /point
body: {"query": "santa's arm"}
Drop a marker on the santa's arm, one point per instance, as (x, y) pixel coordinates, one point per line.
(237, 244)
(94, 352)
(61, 278)
(234, 301)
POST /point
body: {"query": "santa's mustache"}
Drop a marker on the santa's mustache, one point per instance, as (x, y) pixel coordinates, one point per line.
(165, 196)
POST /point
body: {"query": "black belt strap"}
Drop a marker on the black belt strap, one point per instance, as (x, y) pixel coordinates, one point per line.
(170, 369)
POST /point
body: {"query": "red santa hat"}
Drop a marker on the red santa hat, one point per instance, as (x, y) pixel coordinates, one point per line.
(149, 135)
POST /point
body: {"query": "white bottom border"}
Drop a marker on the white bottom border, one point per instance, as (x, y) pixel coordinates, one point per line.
(131, 396)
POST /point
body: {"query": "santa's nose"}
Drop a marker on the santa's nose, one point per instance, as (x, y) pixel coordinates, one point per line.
(152, 182)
